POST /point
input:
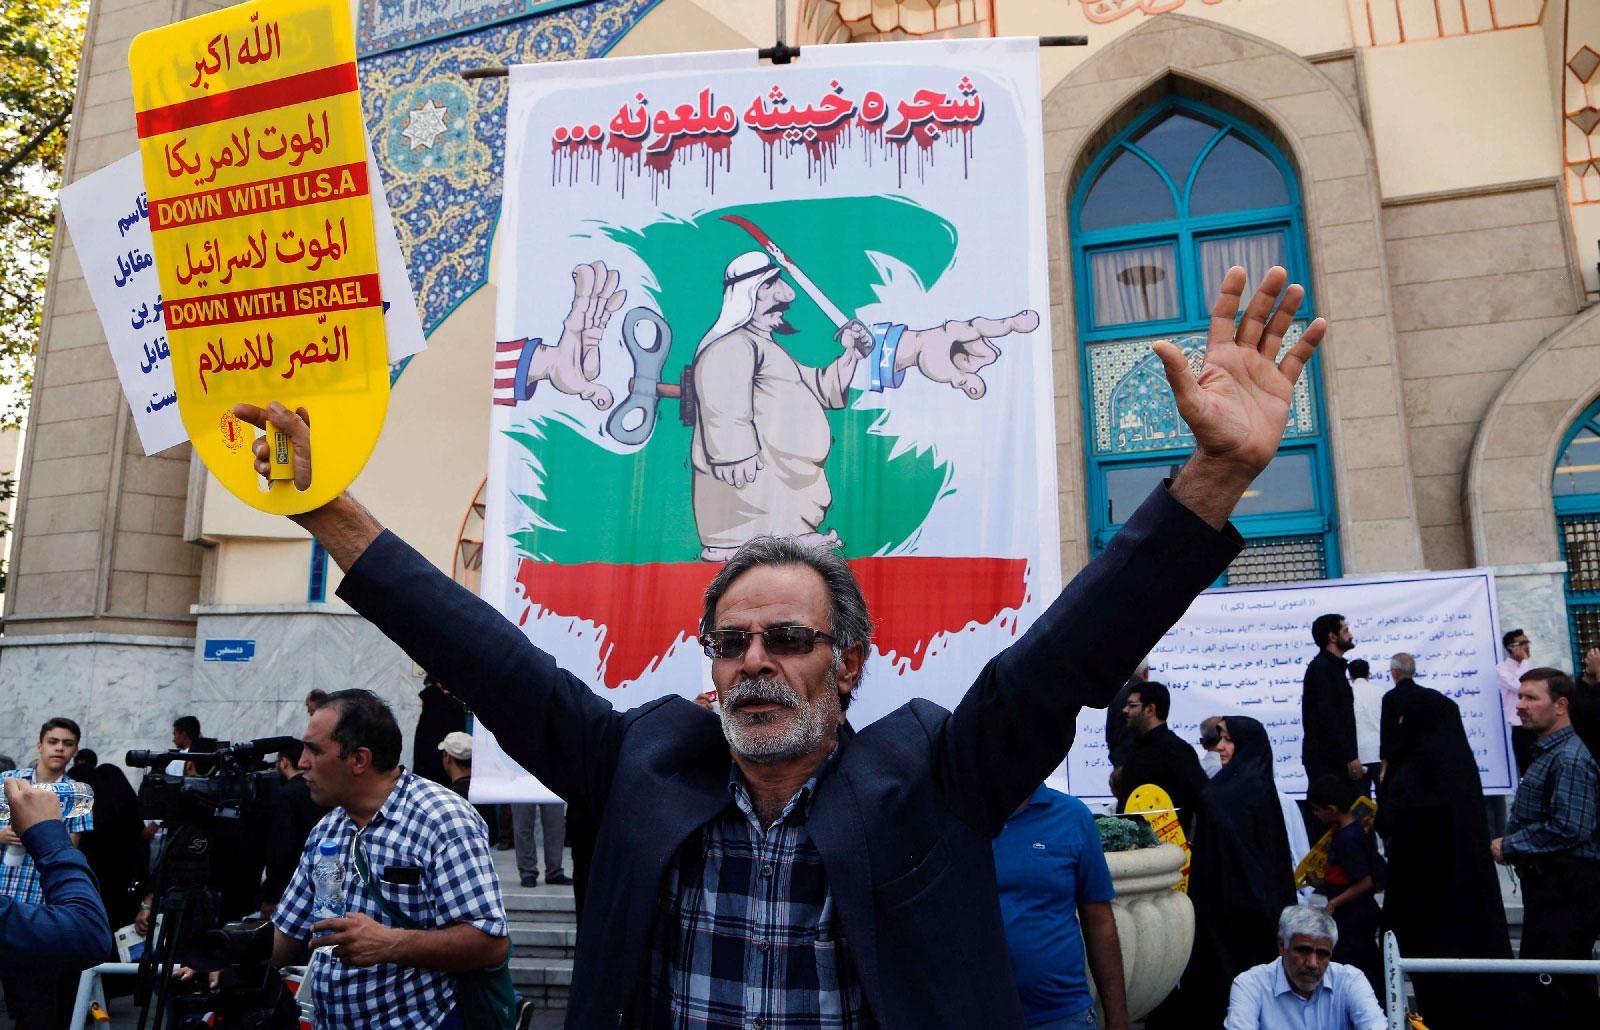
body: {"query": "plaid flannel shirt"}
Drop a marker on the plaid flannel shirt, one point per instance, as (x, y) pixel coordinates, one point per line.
(421, 826)
(746, 935)
(1555, 809)
(21, 881)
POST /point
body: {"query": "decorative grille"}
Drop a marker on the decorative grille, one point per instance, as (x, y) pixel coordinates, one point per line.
(1585, 627)
(1580, 546)
(1279, 559)
(1134, 409)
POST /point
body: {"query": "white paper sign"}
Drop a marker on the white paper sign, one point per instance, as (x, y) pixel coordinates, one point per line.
(110, 225)
(1244, 651)
(107, 216)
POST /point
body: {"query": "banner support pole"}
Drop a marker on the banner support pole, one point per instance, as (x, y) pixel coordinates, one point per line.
(781, 53)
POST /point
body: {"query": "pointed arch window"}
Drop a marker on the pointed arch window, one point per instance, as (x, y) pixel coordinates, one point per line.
(1172, 201)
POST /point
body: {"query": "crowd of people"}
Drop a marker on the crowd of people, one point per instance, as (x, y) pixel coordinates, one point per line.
(343, 774)
(1429, 853)
(767, 865)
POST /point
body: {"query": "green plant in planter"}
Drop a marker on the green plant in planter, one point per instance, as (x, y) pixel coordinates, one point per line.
(1120, 834)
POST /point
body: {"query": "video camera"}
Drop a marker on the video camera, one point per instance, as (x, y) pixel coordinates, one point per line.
(249, 993)
(207, 815)
(228, 780)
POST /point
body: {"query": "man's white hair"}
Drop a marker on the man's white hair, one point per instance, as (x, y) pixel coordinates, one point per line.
(1305, 921)
(743, 277)
(1402, 666)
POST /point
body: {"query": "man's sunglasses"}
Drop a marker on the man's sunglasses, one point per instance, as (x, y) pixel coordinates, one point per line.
(778, 640)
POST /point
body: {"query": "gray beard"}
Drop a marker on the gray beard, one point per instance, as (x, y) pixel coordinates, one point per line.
(799, 737)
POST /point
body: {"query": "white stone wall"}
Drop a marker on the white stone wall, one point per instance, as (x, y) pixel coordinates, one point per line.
(124, 691)
(1531, 599)
(298, 647)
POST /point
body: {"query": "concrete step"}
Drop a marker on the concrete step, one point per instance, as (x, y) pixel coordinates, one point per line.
(544, 940)
(539, 904)
(543, 981)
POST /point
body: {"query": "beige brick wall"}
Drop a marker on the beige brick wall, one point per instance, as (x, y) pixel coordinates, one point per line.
(1508, 497)
(1477, 281)
(99, 526)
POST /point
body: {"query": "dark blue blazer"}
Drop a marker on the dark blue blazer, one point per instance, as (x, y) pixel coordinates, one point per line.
(69, 930)
(903, 823)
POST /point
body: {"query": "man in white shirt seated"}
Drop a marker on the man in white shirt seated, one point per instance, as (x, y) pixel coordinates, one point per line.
(1304, 989)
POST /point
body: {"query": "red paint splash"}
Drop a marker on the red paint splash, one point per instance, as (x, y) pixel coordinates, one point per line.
(643, 611)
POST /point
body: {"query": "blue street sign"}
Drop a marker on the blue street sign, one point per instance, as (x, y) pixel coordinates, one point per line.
(229, 650)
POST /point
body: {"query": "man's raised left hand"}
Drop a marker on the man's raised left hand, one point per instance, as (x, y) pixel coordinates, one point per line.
(1238, 407)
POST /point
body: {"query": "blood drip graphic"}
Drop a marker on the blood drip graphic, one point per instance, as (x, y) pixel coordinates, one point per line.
(640, 144)
(820, 138)
(575, 148)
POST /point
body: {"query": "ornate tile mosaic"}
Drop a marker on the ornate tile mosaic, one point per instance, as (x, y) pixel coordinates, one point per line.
(1134, 409)
(440, 140)
(394, 24)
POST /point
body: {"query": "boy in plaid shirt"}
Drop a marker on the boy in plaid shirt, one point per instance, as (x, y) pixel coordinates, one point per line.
(32, 995)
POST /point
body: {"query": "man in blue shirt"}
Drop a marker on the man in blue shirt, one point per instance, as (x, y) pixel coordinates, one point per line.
(1052, 872)
(1304, 989)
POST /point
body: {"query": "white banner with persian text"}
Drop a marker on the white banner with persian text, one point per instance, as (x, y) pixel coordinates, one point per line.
(739, 300)
(1244, 651)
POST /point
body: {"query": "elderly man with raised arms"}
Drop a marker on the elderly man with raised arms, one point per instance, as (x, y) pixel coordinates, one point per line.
(772, 867)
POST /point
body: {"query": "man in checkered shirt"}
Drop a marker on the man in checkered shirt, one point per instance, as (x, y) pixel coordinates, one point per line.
(428, 852)
(33, 997)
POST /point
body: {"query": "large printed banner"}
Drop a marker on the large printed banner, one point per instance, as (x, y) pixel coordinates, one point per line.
(259, 202)
(738, 300)
(1244, 651)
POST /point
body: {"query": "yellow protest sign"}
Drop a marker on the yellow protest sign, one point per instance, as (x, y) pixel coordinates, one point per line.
(255, 166)
(1155, 805)
(1314, 866)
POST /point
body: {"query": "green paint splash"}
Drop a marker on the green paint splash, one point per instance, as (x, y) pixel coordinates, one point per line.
(595, 505)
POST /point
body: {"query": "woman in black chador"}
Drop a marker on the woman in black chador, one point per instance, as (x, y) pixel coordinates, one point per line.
(1443, 899)
(1240, 879)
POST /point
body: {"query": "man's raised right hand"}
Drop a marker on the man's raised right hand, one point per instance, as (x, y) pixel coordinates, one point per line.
(296, 423)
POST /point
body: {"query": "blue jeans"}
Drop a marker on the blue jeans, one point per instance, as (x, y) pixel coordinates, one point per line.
(1077, 1021)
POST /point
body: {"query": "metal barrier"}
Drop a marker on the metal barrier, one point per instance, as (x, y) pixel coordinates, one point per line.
(89, 989)
(1395, 969)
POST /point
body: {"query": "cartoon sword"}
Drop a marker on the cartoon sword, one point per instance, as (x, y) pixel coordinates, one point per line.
(829, 308)
(885, 336)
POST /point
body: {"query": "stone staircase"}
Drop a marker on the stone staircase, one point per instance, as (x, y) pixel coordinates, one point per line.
(544, 933)
(544, 936)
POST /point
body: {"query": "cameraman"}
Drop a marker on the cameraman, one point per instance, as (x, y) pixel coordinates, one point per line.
(291, 814)
(70, 926)
(428, 855)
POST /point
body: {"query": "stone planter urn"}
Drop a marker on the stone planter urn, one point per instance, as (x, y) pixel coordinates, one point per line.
(1154, 923)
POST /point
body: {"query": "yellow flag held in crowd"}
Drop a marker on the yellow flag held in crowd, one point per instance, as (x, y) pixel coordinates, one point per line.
(1156, 806)
(255, 162)
(1315, 864)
